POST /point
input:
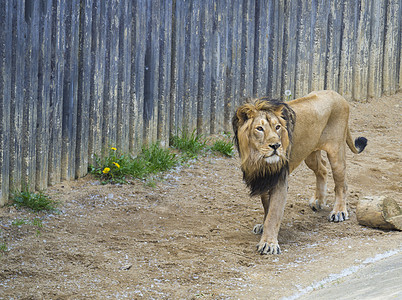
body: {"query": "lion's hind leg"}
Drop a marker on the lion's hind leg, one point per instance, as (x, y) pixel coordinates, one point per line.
(338, 165)
(316, 163)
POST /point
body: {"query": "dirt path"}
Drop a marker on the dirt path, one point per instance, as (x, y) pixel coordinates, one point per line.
(190, 236)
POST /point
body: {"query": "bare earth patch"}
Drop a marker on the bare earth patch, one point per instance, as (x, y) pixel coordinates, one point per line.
(191, 235)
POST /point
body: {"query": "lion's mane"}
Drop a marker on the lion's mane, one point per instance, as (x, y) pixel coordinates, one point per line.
(259, 175)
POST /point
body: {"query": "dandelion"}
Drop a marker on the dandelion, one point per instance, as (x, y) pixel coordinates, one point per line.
(113, 148)
(106, 170)
(116, 164)
(288, 95)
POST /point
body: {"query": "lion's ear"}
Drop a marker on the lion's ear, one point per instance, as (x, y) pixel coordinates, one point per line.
(245, 112)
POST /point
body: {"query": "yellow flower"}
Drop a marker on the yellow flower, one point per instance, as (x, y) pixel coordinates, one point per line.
(116, 164)
(113, 148)
(106, 170)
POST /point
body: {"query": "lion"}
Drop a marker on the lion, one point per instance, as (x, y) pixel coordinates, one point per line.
(274, 137)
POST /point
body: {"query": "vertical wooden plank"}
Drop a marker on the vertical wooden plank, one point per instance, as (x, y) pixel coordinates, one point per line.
(31, 95)
(151, 72)
(70, 88)
(275, 57)
(234, 67)
(273, 38)
(400, 46)
(247, 50)
(109, 128)
(334, 30)
(302, 84)
(42, 138)
(182, 10)
(138, 40)
(191, 66)
(174, 67)
(230, 65)
(124, 69)
(204, 77)
(290, 38)
(360, 74)
(376, 45)
(392, 32)
(219, 46)
(319, 25)
(263, 15)
(187, 68)
(347, 49)
(6, 23)
(84, 89)
(165, 40)
(17, 93)
(56, 93)
(98, 62)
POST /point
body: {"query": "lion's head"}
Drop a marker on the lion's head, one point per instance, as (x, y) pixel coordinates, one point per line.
(263, 136)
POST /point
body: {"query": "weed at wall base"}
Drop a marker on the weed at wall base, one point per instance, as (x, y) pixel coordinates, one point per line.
(118, 167)
(38, 201)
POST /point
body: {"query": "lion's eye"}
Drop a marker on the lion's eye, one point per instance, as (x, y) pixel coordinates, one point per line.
(277, 127)
(259, 128)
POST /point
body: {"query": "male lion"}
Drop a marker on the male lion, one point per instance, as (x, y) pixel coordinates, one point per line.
(274, 137)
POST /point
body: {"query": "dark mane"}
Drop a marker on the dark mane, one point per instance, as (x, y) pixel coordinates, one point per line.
(261, 183)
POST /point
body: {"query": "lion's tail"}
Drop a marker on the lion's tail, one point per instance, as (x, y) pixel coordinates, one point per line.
(359, 144)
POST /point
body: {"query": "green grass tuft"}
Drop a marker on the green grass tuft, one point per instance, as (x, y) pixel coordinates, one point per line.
(37, 201)
(191, 144)
(158, 159)
(224, 147)
(3, 248)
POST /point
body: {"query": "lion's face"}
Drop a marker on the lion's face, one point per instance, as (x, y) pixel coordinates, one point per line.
(268, 138)
(262, 136)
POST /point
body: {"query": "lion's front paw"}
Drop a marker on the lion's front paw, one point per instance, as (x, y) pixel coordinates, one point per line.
(315, 204)
(268, 248)
(258, 229)
(338, 216)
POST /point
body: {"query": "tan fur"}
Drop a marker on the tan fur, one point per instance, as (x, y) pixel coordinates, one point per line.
(299, 130)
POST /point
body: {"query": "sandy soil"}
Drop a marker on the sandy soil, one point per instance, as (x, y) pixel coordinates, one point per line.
(191, 236)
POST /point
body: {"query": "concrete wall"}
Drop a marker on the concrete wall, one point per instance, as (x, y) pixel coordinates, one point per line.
(79, 76)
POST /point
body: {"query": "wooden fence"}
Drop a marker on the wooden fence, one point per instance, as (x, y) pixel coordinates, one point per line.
(77, 76)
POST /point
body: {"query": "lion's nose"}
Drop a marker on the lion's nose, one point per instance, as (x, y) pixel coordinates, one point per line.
(275, 146)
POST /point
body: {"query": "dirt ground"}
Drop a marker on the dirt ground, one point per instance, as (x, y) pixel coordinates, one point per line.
(191, 237)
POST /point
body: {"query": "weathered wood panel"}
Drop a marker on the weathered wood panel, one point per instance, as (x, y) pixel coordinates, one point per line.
(29, 121)
(247, 49)
(219, 54)
(98, 57)
(124, 76)
(17, 94)
(392, 47)
(334, 34)
(165, 41)
(80, 76)
(137, 73)
(290, 38)
(347, 50)
(44, 72)
(205, 70)
(6, 23)
(56, 92)
(84, 88)
(70, 88)
(303, 49)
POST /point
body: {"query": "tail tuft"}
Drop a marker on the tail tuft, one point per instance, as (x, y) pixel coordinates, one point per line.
(360, 143)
